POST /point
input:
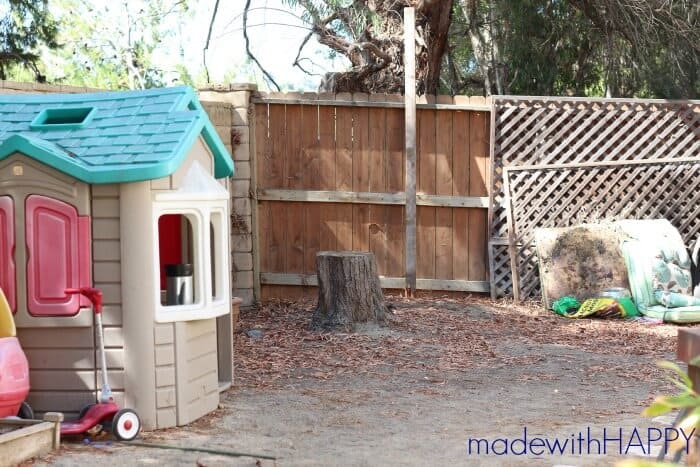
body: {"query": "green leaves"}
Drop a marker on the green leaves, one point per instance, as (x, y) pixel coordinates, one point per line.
(26, 26)
(113, 45)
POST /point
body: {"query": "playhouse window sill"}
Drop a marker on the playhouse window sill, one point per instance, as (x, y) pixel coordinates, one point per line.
(170, 314)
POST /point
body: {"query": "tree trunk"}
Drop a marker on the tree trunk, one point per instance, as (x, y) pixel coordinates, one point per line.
(348, 290)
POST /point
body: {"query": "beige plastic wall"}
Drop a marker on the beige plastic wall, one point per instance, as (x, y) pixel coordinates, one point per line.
(61, 350)
(172, 377)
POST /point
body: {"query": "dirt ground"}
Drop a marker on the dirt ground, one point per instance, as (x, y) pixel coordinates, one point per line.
(415, 391)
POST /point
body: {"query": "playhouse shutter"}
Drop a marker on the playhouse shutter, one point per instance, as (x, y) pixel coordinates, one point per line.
(58, 250)
(7, 250)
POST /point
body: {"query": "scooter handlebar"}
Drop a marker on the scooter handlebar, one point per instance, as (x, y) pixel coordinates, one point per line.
(91, 293)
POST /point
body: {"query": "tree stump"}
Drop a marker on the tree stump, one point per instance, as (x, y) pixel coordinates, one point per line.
(348, 290)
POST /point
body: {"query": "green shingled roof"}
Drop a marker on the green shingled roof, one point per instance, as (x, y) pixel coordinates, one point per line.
(110, 137)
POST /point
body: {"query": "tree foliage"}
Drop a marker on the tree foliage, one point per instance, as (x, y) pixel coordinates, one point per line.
(115, 54)
(645, 48)
(25, 26)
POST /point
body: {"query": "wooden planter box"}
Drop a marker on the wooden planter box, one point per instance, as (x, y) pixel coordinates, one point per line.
(28, 438)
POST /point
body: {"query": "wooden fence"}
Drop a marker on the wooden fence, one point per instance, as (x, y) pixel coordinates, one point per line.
(560, 161)
(329, 175)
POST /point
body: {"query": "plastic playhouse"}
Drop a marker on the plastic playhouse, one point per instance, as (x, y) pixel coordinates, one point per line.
(108, 190)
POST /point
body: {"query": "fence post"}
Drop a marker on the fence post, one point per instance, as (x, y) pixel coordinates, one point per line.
(409, 28)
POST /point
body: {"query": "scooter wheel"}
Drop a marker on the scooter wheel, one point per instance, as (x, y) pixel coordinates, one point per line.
(25, 411)
(126, 425)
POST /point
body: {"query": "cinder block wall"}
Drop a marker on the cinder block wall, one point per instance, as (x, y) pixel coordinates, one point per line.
(228, 109)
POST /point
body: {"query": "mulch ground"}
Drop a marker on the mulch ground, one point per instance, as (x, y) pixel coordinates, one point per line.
(437, 335)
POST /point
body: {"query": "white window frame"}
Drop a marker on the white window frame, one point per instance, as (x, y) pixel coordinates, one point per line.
(199, 213)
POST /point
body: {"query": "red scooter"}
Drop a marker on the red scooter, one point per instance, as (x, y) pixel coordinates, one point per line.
(125, 423)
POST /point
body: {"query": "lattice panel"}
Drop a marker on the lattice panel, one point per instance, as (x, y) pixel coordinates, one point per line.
(564, 197)
(541, 131)
(500, 271)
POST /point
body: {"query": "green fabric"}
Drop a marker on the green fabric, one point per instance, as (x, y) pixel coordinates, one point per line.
(629, 307)
(110, 137)
(565, 304)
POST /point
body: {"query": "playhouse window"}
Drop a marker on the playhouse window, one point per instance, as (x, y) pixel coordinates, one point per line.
(196, 236)
(217, 251)
(178, 245)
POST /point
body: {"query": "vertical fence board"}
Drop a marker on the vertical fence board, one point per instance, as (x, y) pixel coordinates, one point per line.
(274, 167)
(395, 150)
(262, 146)
(395, 183)
(479, 157)
(425, 216)
(262, 155)
(293, 128)
(293, 180)
(378, 168)
(460, 187)
(343, 175)
(443, 181)
(311, 177)
(360, 177)
(276, 238)
(327, 177)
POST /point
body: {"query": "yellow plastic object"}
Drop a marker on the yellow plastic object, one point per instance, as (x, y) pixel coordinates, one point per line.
(7, 322)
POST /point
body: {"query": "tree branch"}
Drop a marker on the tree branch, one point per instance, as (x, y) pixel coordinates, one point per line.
(247, 45)
(206, 46)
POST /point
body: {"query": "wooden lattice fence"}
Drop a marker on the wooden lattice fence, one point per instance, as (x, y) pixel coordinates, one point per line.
(558, 162)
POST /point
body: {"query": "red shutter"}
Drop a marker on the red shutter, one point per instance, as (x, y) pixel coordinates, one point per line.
(58, 249)
(7, 250)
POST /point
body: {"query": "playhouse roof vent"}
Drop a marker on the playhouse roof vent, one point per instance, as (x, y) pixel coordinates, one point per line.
(65, 118)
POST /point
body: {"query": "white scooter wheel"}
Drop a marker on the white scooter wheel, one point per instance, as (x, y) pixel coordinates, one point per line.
(126, 425)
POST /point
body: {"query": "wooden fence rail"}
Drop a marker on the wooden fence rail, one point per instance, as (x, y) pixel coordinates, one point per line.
(329, 175)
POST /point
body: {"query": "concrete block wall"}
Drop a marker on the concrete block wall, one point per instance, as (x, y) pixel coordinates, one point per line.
(229, 110)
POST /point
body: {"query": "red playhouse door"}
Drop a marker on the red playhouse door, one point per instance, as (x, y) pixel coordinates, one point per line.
(7, 250)
(58, 256)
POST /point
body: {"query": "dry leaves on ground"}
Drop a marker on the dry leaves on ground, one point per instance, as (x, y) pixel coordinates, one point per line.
(435, 335)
